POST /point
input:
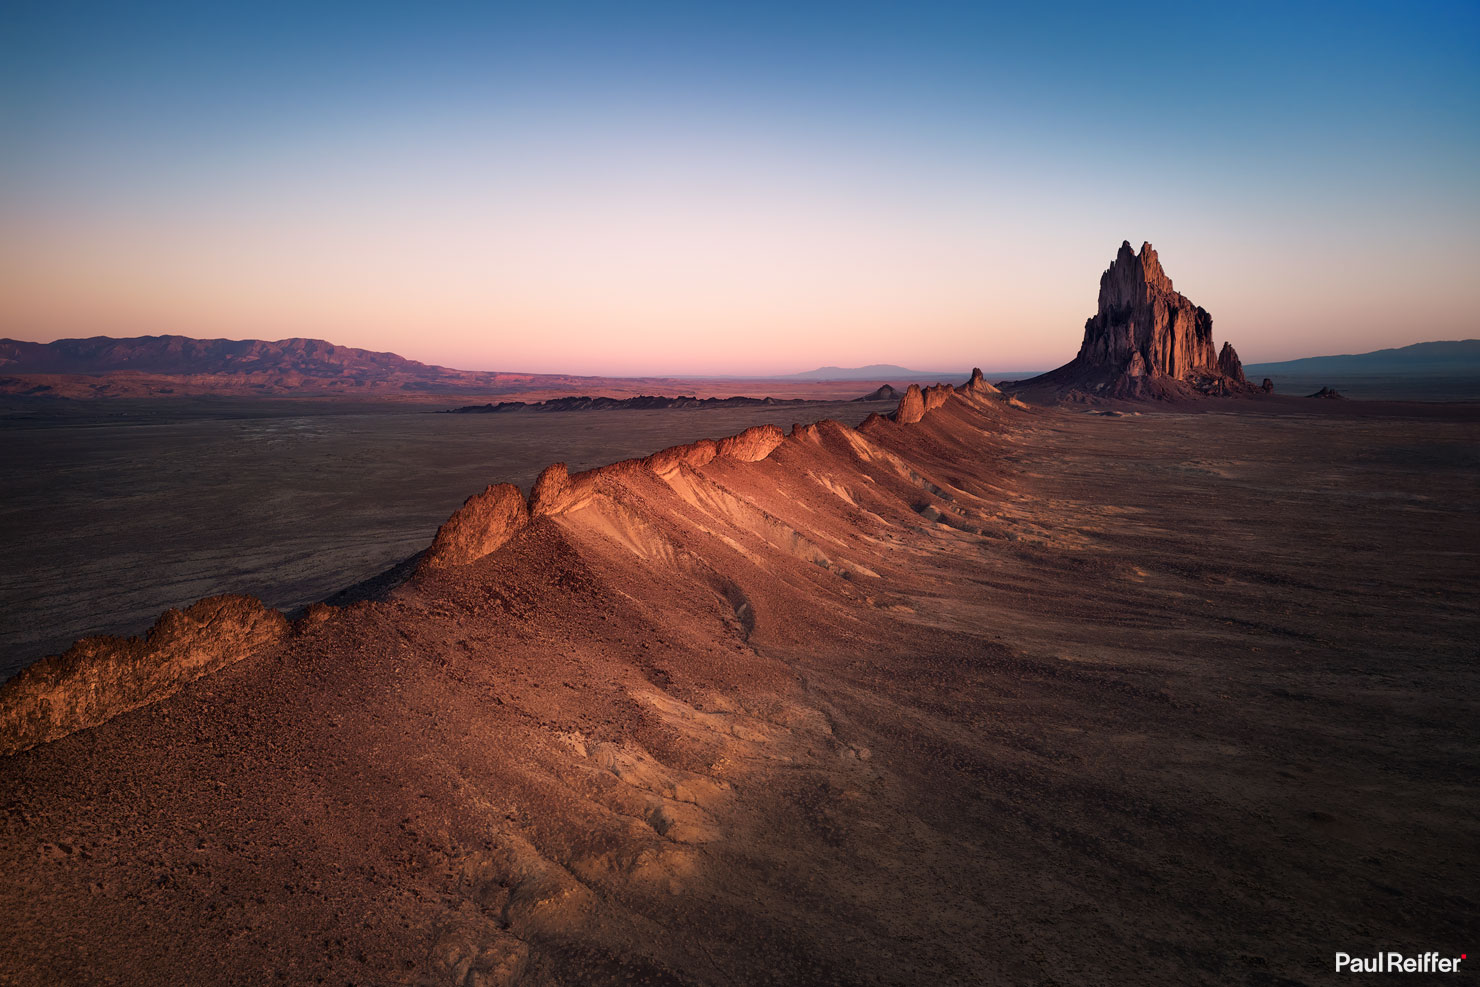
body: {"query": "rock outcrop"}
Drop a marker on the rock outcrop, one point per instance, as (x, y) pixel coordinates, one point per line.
(1143, 322)
(884, 392)
(751, 445)
(1328, 393)
(1146, 340)
(978, 384)
(99, 678)
(483, 524)
(911, 407)
(693, 454)
(1230, 365)
(102, 677)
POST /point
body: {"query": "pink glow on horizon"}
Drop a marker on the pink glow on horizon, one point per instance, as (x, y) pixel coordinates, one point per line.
(775, 262)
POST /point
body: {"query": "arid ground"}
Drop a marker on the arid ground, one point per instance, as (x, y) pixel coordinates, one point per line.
(119, 510)
(1003, 696)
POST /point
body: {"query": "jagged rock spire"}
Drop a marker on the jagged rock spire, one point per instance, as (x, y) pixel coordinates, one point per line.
(1229, 364)
(1146, 340)
(1141, 314)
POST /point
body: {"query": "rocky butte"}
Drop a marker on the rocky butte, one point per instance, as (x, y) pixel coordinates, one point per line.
(1146, 340)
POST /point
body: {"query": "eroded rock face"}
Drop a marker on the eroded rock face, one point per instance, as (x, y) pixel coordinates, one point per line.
(1141, 314)
(751, 445)
(937, 395)
(1230, 365)
(695, 454)
(911, 407)
(978, 384)
(884, 392)
(99, 678)
(484, 523)
(551, 491)
(1146, 340)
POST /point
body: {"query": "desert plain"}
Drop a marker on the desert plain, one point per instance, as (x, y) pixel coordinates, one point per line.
(980, 693)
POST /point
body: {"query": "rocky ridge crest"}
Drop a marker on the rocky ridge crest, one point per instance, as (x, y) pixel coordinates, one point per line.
(99, 678)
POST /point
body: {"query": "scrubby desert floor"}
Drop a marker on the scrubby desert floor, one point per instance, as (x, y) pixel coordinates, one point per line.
(1004, 696)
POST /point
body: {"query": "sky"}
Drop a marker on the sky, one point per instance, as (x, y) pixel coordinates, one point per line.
(752, 188)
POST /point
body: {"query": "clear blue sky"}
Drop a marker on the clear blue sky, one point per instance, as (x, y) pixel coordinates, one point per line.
(622, 188)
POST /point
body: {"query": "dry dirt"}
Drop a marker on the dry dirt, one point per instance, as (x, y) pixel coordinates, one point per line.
(1004, 696)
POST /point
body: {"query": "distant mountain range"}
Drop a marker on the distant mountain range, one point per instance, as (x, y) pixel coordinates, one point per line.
(179, 366)
(185, 355)
(174, 366)
(874, 371)
(1461, 356)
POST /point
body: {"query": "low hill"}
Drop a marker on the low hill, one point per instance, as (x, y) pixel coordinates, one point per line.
(173, 367)
(874, 371)
(1441, 356)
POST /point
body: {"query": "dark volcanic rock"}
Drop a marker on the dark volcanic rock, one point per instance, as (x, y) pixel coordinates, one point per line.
(1146, 340)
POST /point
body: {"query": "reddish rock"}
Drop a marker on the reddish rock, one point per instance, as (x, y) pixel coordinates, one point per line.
(551, 491)
(911, 407)
(1146, 340)
(99, 678)
(978, 384)
(751, 445)
(484, 523)
(1140, 314)
(884, 392)
(937, 395)
(694, 454)
(1230, 365)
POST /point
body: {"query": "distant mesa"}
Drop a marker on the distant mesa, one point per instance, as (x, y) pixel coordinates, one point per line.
(883, 393)
(1328, 393)
(1146, 340)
